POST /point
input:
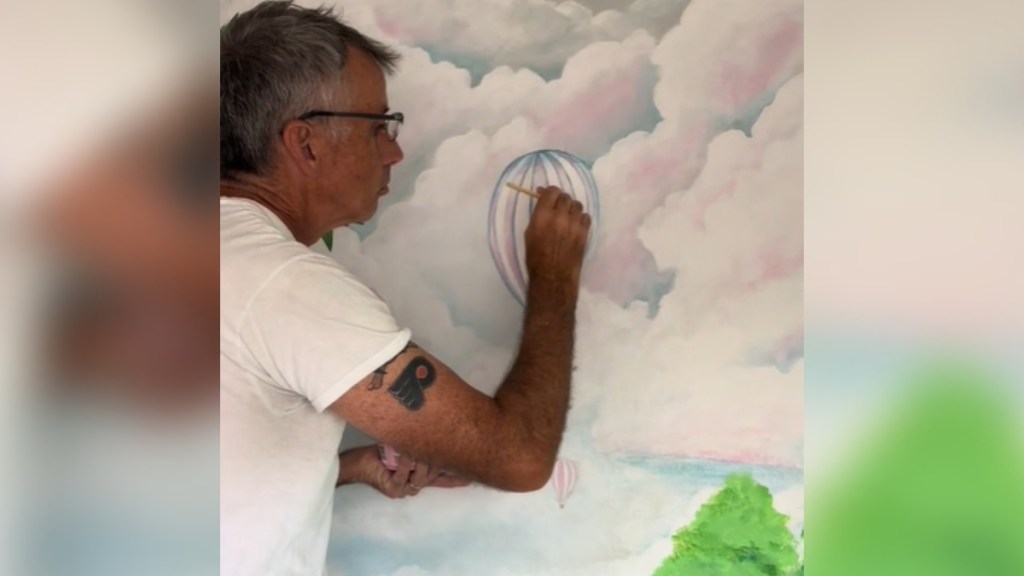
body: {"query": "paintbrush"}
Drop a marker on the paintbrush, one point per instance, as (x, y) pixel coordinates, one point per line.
(522, 190)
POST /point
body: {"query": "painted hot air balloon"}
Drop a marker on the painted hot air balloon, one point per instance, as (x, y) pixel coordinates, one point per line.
(563, 480)
(510, 211)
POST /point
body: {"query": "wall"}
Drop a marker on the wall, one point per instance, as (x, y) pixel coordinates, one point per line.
(689, 351)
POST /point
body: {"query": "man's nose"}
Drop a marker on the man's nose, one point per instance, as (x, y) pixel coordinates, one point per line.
(392, 152)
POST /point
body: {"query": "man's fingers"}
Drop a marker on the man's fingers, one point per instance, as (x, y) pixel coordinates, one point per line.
(420, 477)
(385, 485)
(400, 477)
(548, 196)
(405, 466)
(563, 202)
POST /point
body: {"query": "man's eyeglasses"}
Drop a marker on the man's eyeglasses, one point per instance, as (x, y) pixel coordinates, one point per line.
(391, 121)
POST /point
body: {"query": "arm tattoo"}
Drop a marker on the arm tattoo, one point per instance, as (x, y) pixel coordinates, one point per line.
(378, 374)
(410, 385)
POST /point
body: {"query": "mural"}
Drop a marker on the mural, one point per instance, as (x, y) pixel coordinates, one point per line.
(681, 124)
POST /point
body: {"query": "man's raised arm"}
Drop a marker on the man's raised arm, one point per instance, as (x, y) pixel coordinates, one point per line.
(423, 408)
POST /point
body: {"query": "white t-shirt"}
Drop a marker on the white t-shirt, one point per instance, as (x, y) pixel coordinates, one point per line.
(296, 332)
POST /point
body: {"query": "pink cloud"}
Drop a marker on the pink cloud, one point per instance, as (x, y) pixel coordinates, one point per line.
(743, 81)
(715, 65)
(603, 100)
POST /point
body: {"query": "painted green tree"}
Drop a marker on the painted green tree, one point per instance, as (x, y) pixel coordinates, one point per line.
(737, 533)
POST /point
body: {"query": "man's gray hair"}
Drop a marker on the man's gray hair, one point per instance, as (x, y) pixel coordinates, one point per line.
(277, 60)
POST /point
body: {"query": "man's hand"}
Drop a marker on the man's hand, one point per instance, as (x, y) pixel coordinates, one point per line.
(363, 466)
(556, 238)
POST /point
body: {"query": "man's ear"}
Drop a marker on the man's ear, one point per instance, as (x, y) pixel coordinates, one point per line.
(301, 145)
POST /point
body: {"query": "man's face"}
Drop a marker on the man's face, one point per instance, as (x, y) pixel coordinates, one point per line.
(357, 169)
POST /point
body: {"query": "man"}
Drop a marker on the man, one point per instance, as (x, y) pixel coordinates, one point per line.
(307, 145)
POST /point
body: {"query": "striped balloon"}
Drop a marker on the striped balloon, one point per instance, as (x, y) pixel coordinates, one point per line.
(510, 210)
(563, 479)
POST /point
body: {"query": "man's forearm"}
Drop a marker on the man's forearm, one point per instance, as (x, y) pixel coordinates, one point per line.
(534, 397)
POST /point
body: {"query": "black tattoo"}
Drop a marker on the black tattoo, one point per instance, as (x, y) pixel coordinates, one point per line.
(378, 378)
(410, 385)
(378, 374)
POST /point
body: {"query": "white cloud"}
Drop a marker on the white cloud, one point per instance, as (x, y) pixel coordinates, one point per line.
(726, 54)
(680, 384)
(676, 404)
(604, 93)
(740, 225)
(480, 35)
(410, 571)
(791, 503)
(645, 562)
(483, 34)
(715, 69)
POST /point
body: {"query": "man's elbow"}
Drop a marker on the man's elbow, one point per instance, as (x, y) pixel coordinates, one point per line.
(527, 474)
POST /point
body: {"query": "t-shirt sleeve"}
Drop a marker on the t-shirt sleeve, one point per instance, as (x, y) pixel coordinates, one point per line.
(318, 331)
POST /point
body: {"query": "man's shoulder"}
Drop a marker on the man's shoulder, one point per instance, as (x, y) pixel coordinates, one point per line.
(245, 224)
(258, 253)
(254, 245)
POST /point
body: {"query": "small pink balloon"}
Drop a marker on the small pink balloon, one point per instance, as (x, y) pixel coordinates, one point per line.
(563, 479)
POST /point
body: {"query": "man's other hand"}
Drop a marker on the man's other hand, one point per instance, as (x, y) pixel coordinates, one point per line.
(363, 466)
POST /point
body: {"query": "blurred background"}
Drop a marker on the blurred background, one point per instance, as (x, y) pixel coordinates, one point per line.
(914, 226)
(109, 299)
(109, 288)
